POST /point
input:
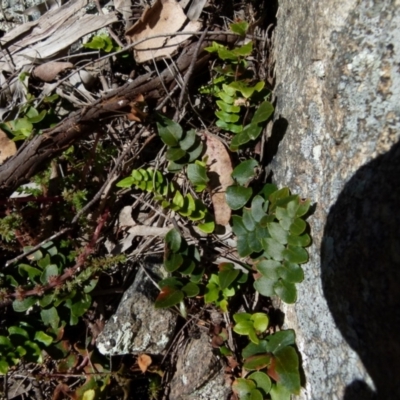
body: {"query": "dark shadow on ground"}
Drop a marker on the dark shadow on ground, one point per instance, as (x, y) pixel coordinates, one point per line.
(361, 272)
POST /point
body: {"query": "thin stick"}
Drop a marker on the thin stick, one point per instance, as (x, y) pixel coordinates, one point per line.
(191, 68)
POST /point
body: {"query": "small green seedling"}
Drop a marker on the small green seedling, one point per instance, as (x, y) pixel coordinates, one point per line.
(102, 42)
(251, 325)
(223, 285)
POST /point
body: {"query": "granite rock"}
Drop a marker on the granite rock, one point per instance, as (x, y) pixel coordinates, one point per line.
(138, 327)
(334, 139)
(199, 374)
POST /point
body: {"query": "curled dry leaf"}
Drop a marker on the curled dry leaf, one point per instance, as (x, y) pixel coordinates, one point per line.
(165, 16)
(137, 114)
(47, 72)
(144, 361)
(7, 147)
(219, 171)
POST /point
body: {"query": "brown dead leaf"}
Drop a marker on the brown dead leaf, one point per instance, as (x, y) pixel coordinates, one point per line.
(144, 361)
(7, 147)
(165, 16)
(137, 114)
(47, 72)
(220, 170)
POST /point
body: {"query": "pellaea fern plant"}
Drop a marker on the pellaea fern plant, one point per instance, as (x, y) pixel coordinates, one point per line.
(168, 194)
(272, 231)
(237, 92)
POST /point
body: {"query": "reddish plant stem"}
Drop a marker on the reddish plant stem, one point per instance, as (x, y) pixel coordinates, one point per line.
(68, 273)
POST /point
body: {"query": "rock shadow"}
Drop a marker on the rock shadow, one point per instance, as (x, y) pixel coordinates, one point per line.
(360, 270)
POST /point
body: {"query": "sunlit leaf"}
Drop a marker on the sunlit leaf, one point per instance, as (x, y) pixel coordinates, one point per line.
(227, 277)
(279, 392)
(189, 140)
(243, 387)
(273, 249)
(255, 394)
(23, 305)
(296, 255)
(42, 337)
(49, 271)
(197, 175)
(279, 340)
(277, 232)
(208, 225)
(50, 317)
(298, 226)
(195, 153)
(243, 247)
(17, 330)
(212, 292)
(237, 196)
(262, 380)
(244, 172)
(304, 206)
(251, 132)
(227, 108)
(260, 322)
(286, 291)
(229, 127)
(263, 112)
(265, 286)
(227, 117)
(174, 154)
(248, 220)
(299, 241)
(244, 50)
(174, 240)
(169, 131)
(239, 27)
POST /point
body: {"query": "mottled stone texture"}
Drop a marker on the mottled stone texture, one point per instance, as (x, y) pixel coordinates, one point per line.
(337, 124)
(137, 327)
(199, 373)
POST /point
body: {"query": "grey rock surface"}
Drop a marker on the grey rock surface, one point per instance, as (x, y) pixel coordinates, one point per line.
(335, 139)
(199, 374)
(137, 327)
